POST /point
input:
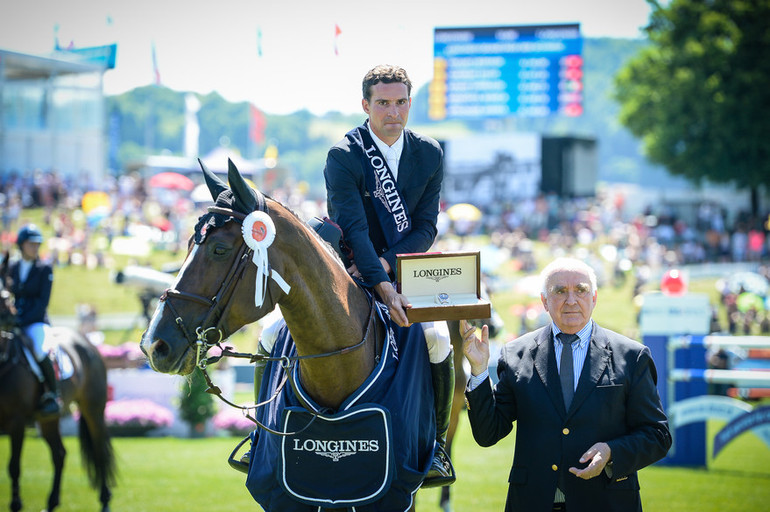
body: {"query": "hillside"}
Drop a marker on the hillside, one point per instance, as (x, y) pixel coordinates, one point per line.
(150, 120)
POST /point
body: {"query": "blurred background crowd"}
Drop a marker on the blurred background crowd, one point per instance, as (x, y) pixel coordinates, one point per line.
(636, 245)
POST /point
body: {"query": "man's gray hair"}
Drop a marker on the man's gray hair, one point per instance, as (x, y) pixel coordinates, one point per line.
(570, 265)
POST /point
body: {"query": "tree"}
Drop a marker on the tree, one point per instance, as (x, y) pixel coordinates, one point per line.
(196, 405)
(698, 95)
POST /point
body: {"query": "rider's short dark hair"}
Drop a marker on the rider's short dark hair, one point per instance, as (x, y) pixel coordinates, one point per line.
(385, 73)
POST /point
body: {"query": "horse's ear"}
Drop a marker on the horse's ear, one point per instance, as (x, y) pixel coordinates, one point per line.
(215, 185)
(245, 196)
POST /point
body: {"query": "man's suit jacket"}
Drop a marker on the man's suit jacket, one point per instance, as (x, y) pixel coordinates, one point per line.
(32, 296)
(615, 402)
(420, 172)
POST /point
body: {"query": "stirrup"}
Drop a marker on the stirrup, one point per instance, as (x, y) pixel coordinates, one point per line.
(244, 462)
(49, 405)
(441, 472)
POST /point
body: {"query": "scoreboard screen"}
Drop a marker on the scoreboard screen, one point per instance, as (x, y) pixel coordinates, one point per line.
(528, 71)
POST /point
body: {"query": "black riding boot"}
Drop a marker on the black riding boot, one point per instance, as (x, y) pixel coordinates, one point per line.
(49, 401)
(441, 472)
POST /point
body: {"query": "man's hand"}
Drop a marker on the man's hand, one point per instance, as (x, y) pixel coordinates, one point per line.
(353, 271)
(476, 350)
(599, 455)
(397, 303)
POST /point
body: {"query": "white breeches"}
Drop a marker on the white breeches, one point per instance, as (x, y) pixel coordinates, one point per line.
(37, 333)
(437, 339)
(270, 325)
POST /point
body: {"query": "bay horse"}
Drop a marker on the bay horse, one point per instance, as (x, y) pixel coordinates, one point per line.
(20, 391)
(337, 337)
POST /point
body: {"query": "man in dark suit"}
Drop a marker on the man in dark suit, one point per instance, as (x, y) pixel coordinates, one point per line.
(587, 412)
(383, 183)
(31, 282)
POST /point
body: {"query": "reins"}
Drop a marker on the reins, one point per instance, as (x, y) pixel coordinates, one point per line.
(287, 364)
(217, 306)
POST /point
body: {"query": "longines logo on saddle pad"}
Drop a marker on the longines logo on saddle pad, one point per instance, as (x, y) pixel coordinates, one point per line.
(321, 465)
(336, 449)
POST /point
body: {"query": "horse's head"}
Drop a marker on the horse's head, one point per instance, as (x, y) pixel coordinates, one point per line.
(233, 274)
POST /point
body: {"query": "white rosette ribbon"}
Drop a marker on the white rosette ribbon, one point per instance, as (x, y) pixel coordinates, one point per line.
(258, 233)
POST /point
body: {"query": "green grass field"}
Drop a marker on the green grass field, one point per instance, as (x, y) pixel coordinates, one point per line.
(168, 474)
(172, 475)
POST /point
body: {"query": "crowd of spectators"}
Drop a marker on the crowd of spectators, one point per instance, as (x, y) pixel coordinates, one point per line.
(162, 217)
(640, 244)
(658, 235)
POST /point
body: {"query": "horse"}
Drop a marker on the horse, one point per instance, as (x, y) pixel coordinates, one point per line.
(20, 391)
(337, 335)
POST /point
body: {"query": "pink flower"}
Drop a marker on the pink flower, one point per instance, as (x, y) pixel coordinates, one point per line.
(137, 413)
(234, 421)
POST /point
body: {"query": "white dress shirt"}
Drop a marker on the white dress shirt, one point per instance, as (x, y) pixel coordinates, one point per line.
(392, 153)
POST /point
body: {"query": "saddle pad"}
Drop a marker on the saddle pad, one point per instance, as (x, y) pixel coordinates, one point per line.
(339, 460)
(54, 338)
(63, 363)
(61, 360)
(399, 384)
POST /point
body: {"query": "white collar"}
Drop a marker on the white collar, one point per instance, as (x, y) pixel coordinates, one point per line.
(397, 146)
(24, 267)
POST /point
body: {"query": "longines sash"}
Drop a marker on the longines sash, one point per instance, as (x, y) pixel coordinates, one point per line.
(390, 207)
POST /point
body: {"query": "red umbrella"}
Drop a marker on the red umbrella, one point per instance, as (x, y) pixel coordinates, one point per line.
(172, 180)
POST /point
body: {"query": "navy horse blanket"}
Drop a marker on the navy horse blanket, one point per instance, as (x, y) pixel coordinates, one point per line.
(369, 455)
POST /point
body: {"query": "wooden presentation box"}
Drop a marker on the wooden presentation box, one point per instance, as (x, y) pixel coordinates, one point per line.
(442, 286)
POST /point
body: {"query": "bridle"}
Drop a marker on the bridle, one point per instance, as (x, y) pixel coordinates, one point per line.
(218, 305)
(10, 352)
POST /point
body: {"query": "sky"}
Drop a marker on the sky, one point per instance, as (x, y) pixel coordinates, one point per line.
(283, 55)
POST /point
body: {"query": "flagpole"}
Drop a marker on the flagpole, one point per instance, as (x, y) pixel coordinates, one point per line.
(250, 144)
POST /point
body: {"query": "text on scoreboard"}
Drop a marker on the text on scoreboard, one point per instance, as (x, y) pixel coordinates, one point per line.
(529, 71)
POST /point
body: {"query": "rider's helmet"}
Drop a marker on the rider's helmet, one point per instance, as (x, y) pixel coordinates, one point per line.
(29, 233)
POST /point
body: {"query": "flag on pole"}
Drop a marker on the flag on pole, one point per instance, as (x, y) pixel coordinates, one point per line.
(56, 45)
(155, 70)
(337, 32)
(257, 124)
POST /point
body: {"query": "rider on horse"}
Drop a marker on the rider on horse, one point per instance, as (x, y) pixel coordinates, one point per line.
(383, 183)
(31, 282)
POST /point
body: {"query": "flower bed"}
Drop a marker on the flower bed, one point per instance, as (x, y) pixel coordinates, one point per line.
(136, 417)
(127, 355)
(233, 421)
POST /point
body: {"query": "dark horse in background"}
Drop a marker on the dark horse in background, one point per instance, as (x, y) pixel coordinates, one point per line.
(19, 394)
(329, 316)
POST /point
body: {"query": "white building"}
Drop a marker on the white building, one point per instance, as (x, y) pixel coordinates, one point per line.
(52, 112)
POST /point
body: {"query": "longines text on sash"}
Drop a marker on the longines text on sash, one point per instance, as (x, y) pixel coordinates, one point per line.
(391, 194)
